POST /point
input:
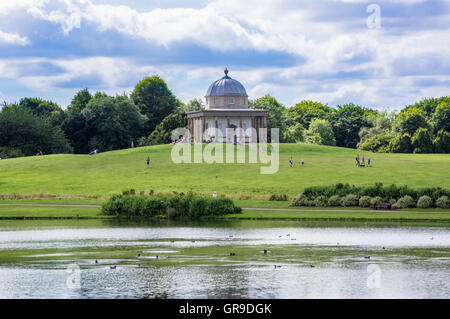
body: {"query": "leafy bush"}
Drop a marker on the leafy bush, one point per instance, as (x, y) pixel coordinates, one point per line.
(221, 206)
(405, 202)
(320, 132)
(424, 202)
(349, 200)
(168, 206)
(385, 192)
(422, 141)
(180, 204)
(334, 200)
(300, 200)
(443, 202)
(364, 201)
(401, 144)
(320, 201)
(441, 143)
(10, 152)
(377, 143)
(162, 134)
(375, 200)
(154, 207)
(377, 193)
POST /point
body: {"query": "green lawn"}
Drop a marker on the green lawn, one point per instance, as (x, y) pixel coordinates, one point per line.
(20, 212)
(109, 173)
(325, 214)
(347, 215)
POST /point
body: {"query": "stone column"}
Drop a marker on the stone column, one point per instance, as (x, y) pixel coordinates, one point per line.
(190, 129)
(216, 131)
(242, 136)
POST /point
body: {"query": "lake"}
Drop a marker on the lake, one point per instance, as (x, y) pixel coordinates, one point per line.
(222, 259)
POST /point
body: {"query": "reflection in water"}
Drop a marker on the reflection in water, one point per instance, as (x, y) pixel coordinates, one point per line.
(195, 261)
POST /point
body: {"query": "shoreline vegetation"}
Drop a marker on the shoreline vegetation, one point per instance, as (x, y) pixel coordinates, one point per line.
(397, 197)
(168, 207)
(251, 210)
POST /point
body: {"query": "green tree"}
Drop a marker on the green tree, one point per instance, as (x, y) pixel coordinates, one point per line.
(401, 144)
(74, 127)
(320, 132)
(112, 122)
(155, 100)
(441, 117)
(275, 116)
(422, 141)
(305, 111)
(441, 143)
(429, 105)
(163, 132)
(28, 134)
(74, 123)
(409, 120)
(347, 121)
(39, 106)
(378, 124)
(377, 143)
(80, 101)
(295, 133)
(192, 105)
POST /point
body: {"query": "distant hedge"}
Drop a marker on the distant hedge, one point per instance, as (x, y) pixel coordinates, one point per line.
(365, 196)
(175, 206)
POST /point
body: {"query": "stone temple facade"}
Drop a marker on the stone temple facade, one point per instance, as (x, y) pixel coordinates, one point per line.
(226, 117)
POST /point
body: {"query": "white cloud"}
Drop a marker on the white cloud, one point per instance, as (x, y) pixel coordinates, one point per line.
(13, 38)
(328, 45)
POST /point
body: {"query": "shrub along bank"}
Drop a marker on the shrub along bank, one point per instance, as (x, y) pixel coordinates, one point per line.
(349, 195)
(165, 206)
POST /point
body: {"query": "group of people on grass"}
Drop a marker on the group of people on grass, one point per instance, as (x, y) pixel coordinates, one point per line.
(362, 163)
(291, 162)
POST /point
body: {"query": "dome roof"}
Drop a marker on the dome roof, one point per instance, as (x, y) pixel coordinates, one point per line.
(226, 86)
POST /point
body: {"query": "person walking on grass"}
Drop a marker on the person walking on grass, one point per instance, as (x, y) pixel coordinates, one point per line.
(291, 161)
(303, 162)
(148, 161)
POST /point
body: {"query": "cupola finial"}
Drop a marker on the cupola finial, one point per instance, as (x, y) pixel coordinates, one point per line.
(226, 71)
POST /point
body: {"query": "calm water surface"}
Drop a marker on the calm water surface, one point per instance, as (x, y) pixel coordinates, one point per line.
(192, 260)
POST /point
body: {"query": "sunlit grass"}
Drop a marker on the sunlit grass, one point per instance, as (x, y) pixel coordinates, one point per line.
(109, 173)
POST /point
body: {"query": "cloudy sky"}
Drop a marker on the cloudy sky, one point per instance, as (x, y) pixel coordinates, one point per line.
(333, 51)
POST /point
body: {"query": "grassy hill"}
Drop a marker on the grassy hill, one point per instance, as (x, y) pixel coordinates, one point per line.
(111, 172)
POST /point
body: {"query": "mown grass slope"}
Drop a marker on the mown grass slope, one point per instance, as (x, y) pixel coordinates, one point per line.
(111, 172)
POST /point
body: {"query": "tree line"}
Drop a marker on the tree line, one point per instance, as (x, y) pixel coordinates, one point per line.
(149, 114)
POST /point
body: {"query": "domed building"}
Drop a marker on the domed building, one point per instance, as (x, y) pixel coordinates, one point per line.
(227, 107)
